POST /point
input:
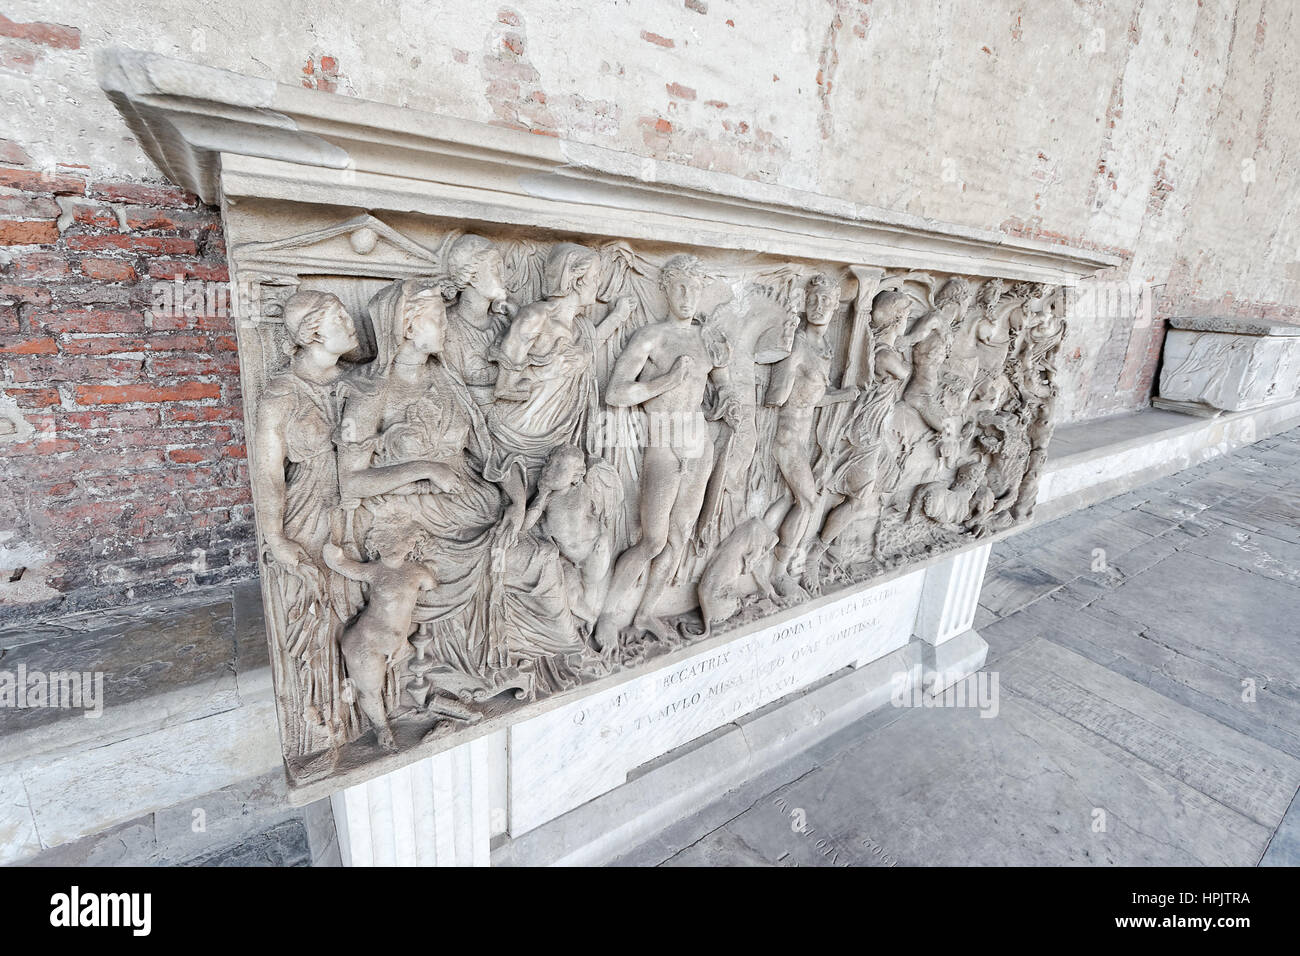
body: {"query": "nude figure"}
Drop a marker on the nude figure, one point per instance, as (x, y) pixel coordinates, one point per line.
(799, 386)
(665, 368)
(379, 633)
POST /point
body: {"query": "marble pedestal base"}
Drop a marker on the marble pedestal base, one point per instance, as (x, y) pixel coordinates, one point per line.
(951, 649)
(607, 770)
(431, 813)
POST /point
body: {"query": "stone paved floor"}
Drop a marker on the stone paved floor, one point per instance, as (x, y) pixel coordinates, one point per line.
(1147, 654)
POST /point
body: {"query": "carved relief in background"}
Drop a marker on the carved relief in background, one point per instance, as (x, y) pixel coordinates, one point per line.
(487, 469)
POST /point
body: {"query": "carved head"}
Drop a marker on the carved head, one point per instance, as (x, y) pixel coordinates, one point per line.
(971, 475)
(475, 262)
(956, 295)
(682, 282)
(318, 319)
(571, 269)
(990, 292)
(823, 299)
(393, 537)
(411, 310)
(565, 468)
(888, 312)
(424, 315)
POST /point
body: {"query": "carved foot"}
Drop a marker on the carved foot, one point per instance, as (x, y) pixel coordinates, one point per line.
(789, 588)
(387, 742)
(660, 629)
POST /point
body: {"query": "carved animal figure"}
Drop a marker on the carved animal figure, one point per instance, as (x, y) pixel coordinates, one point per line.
(746, 552)
(953, 506)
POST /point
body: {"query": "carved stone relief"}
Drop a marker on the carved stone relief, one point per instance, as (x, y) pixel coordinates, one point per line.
(489, 468)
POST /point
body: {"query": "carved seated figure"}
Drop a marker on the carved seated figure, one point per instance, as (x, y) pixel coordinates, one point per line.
(377, 637)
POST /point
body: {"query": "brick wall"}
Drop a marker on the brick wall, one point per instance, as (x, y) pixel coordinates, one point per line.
(123, 471)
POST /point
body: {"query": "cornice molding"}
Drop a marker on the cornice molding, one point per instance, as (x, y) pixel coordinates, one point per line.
(229, 137)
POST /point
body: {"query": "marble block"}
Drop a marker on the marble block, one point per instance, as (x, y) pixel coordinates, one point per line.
(431, 813)
(577, 752)
(1213, 365)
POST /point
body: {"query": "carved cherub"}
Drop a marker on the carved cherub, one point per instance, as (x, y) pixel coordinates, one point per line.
(577, 503)
(379, 633)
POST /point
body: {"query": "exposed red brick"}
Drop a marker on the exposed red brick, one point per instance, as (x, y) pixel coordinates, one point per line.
(46, 34)
(126, 394)
(508, 17)
(179, 414)
(167, 245)
(171, 268)
(41, 346)
(108, 270)
(90, 321)
(699, 6)
(680, 92)
(657, 40)
(28, 207)
(37, 181)
(13, 154)
(192, 456)
(27, 232)
(114, 419)
(34, 397)
(142, 194)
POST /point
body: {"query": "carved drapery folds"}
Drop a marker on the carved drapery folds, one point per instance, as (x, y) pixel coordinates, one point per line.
(490, 468)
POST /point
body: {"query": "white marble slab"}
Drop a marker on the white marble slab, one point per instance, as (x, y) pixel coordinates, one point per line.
(564, 758)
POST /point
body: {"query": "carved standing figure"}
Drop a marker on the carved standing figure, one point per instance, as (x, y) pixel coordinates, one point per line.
(296, 477)
(480, 314)
(799, 386)
(546, 392)
(854, 458)
(665, 368)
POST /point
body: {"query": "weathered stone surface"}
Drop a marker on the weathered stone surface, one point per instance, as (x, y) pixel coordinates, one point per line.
(284, 844)
(1213, 365)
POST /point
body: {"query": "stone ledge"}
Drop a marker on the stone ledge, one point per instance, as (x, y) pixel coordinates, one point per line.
(1233, 325)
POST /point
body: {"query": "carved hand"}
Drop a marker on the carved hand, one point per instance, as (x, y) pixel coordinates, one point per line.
(623, 307)
(683, 367)
(287, 552)
(444, 478)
